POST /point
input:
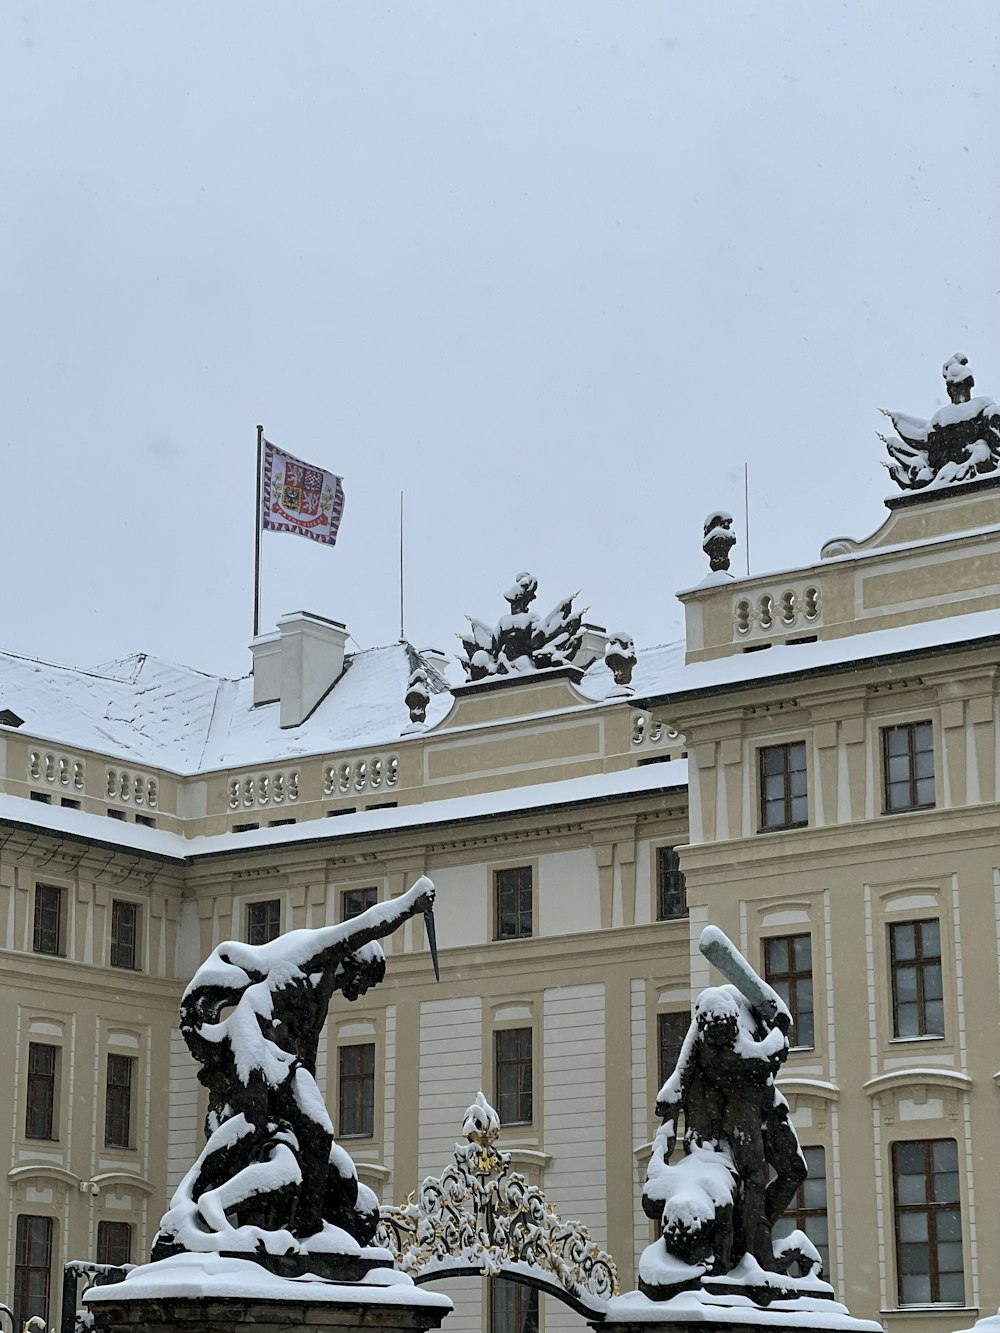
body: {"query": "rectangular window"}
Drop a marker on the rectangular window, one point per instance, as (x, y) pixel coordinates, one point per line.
(783, 802)
(357, 1091)
(908, 766)
(355, 901)
(124, 934)
(48, 932)
(512, 892)
(114, 1243)
(512, 1052)
(147, 821)
(263, 921)
(671, 1029)
(917, 989)
(40, 1117)
(671, 891)
(116, 814)
(807, 1211)
(32, 1269)
(928, 1218)
(788, 968)
(118, 1102)
(513, 1307)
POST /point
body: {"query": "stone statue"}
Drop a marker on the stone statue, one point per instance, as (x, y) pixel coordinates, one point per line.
(719, 539)
(523, 641)
(620, 657)
(418, 695)
(716, 1205)
(271, 1183)
(961, 442)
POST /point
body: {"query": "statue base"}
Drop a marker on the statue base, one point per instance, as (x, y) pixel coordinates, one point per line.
(728, 1311)
(212, 1293)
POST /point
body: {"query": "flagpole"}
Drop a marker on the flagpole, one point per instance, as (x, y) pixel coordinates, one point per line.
(257, 525)
(402, 635)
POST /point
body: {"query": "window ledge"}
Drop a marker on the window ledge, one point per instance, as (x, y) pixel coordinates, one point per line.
(909, 810)
(784, 828)
(923, 1036)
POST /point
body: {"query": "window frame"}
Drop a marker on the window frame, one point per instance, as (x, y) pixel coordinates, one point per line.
(933, 1209)
(910, 728)
(365, 891)
(22, 1270)
(523, 1319)
(524, 1097)
(104, 1230)
(357, 1083)
(40, 929)
(788, 797)
(792, 977)
(120, 1101)
(679, 890)
(523, 886)
(799, 1212)
(919, 962)
(49, 1083)
(663, 1045)
(251, 927)
(115, 948)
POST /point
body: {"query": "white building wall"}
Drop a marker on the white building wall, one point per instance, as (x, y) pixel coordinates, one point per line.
(184, 1131)
(461, 907)
(640, 1112)
(574, 1117)
(567, 892)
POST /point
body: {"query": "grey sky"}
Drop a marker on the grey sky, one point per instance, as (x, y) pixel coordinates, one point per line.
(554, 270)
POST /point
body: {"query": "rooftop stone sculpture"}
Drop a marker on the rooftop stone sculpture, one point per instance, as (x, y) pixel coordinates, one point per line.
(523, 641)
(961, 442)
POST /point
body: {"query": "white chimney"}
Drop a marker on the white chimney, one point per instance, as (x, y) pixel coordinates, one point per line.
(592, 645)
(297, 665)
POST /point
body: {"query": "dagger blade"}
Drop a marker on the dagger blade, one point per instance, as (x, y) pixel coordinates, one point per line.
(432, 942)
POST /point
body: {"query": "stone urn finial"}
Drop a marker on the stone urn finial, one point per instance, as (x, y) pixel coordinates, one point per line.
(719, 539)
(958, 378)
(620, 657)
(418, 695)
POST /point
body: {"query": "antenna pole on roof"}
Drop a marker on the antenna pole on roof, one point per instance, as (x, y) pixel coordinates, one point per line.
(257, 526)
(746, 511)
(402, 634)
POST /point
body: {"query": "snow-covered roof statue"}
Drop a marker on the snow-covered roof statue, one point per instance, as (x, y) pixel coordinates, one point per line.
(272, 1184)
(719, 539)
(522, 641)
(960, 442)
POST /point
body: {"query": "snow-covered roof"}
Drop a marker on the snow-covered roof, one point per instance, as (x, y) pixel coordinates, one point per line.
(147, 712)
(159, 843)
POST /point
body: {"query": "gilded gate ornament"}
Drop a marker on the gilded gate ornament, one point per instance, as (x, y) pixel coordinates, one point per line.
(479, 1216)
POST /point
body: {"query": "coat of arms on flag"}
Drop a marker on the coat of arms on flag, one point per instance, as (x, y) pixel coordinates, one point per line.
(300, 498)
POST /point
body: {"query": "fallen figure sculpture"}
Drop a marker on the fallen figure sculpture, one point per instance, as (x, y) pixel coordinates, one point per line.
(271, 1183)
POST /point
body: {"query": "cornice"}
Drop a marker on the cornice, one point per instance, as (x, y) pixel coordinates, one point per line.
(924, 1076)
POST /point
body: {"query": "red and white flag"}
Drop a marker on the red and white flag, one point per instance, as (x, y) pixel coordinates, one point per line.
(300, 498)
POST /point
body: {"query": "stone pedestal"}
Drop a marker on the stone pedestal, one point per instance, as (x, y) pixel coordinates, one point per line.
(708, 1312)
(213, 1294)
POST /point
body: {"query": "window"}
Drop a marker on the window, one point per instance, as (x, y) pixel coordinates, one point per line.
(671, 1029)
(263, 921)
(42, 797)
(32, 1265)
(807, 1211)
(69, 802)
(928, 1217)
(357, 1090)
(783, 802)
(116, 814)
(788, 968)
(118, 1102)
(671, 890)
(355, 901)
(40, 1115)
(512, 1051)
(513, 902)
(513, 1307)
(147, 821)
(908, 766)
(114, 1243)
(124, 934)
(48, 933)
(279, 823)
(917, 993)
(246, 828)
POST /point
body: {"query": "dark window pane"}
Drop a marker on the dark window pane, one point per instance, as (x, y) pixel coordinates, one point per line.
(513, 1075)
(671, 890)
(788, 968)
(355, 901)
(118, 1102)
(124, 934)
(39, 1121)
(32, 1269)
(48, 922)
(357, 1090)
(672, 1028)
(114, 1243)
(782, 778)
(512, 890)
(929, 1261)
(263, 921)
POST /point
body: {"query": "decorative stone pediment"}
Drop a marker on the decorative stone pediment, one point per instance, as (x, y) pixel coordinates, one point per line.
(919, 1094)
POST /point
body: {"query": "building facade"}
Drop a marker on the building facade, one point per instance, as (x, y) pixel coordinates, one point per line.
(815, 770)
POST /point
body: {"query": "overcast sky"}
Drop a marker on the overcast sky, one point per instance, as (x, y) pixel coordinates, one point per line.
(554, 270)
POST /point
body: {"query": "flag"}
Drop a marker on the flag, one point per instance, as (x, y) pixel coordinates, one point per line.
(297, 497)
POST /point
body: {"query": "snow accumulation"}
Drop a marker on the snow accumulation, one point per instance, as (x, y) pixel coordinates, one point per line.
(200, 1275)
(704, 1307)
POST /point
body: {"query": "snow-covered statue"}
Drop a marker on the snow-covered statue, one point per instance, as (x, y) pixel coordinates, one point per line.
(716, 1206)
(418, 695)
(961, 442)
(719, 539)
(619, 657)
(271, 1183)
(522, 640)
